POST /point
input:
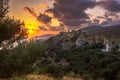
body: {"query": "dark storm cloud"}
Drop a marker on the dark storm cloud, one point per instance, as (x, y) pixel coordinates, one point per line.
(53, 28)
(107, 21)
(97, 21)
(74, 22)
(41, 17)
(111, 14)
(111, 18)
(110, 5)
(71, 12)
(42, 28)
(44, 18)
(57, 28)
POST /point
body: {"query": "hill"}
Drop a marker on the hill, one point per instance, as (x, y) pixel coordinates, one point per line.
(69, 54)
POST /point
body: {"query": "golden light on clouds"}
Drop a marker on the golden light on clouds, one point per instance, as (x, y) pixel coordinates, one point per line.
(39, 21)
(55, 22)
(42, 7)
(39, 33)
(32, 23)
(30, 20)
(33, 27)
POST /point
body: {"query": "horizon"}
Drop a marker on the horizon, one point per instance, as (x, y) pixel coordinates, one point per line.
(43, 17)
(60, 39)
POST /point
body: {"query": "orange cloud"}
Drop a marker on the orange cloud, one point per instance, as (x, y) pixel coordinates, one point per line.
(55, 22)
(27, 9)
(41, 6)
(39, 33)
(46, 20)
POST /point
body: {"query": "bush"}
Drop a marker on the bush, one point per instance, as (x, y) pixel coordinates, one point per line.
(22, 58)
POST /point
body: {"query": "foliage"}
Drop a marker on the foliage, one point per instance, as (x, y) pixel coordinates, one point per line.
(3, 8)
(86, 61)
(10, 29)
(22, 58)
(94, 63)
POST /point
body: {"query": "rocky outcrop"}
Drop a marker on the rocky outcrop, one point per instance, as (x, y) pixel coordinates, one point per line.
(67, 40)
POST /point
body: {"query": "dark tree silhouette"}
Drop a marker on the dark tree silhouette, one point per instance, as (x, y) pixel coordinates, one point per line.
(3, 8)
(10, 28)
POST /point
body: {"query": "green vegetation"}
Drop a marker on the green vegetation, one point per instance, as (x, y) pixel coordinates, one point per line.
(20, 59)
(50, 58)
(87, 62)
(3, 8)
(11, 30)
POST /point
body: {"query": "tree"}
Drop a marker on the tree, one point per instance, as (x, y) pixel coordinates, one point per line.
(23, 58)
(3, 8)
(10, 28)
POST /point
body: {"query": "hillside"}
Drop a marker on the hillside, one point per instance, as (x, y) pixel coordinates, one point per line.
(67, 54)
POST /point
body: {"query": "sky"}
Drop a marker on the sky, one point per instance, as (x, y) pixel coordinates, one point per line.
(45, 18)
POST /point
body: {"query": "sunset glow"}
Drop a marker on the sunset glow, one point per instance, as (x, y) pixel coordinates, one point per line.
(60, 39)
(43, 17)
(33, 29)
(32, 26)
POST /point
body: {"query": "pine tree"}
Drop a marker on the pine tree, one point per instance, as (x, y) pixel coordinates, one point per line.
(3, 8)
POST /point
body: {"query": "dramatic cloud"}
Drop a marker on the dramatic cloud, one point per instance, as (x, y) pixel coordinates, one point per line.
(41, 6)
(45, 19)
(27, 9)
(111, 14)
(71, 13)
(110, 5)
(53, 28)
(42, 28)
(96, 21)
(56, 28)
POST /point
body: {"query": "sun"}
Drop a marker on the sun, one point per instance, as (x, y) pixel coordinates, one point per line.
(32, 27)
